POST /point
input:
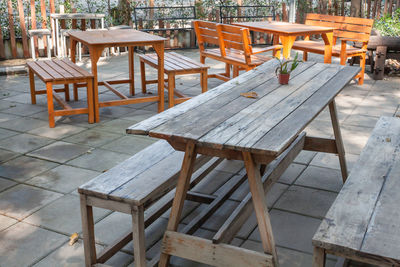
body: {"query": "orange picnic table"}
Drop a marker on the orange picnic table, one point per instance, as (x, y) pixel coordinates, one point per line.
(288, 32)
(97, 41)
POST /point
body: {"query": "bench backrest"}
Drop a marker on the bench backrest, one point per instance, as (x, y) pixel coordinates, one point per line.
(234, 37)
(345, 27)
(206, 33)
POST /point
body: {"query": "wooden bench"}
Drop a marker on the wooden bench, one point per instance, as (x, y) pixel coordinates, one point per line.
(53, 72)
(236, 49)
(363, 224)
(206, 33)
(142, 186)
(347, 29)
(174, 64)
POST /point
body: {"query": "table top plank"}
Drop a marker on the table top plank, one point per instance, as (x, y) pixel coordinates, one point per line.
(373, 181)
(283, 133)
(284, 28)
(116, 37)
(271, 109)
(144, 127)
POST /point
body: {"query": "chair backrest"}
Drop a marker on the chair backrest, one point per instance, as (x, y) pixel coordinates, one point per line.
(236, 38)
(206, 33)
(345, 27)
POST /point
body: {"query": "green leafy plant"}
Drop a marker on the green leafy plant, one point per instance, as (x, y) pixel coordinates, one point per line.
(287, 66)
(389, 25)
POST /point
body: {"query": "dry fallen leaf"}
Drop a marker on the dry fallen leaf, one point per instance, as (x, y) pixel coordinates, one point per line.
(388, 139)
(249, 94)
(73, 238)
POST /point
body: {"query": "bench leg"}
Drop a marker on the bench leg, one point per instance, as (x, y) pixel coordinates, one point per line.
(32, 86)
(338, 139)
(76, 92)
(143, 76)
(305, 56)
(171, 88)
(88, 232)
(180, 194)
(319, 257)
(235, 71)
(66, 92)
(90, 100)
(50, 105)
(204, 81)
(139, 246)
(362, 65)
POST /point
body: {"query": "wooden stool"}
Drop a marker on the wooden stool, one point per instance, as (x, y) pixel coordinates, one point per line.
(61, 72)
(174, 64)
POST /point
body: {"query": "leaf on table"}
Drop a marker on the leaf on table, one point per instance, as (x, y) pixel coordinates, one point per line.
(73, 238)
(249, 94)
(388, 139)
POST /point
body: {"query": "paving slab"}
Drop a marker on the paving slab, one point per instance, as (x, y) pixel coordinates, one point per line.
(6, 222)
(138, 115)
(326, 160)
(5, 184)
(99, 160)
(23, 244)
(306, 201)
(321, 178)
(24, 168)
(63, 215)
(23, 143)
(24, 109)
(305, 157)
(291, 230)
(361, 120)
(23, 124)
(92, 138)
(4, 133)
(291, 173)
(129, 144)
(22, 200)
(117, 126)
(73, 256)
(63, 178)
(59, 151)
(59, 132)
(6, 155)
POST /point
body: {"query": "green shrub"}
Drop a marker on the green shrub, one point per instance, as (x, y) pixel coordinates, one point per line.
(389, 25)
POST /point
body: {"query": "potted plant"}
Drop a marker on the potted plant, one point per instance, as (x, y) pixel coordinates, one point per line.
(285, 68)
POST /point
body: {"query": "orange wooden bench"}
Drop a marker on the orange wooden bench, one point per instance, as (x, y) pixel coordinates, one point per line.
(206, 34)
(174, 64)
(347, 29)
(236, 48)
(64, 72)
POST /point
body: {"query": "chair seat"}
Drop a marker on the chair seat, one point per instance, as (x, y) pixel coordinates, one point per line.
(212, 52)
(238, 56)
(319, 48)
(39, 32)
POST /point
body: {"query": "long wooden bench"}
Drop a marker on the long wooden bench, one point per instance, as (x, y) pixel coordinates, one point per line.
(363, 224)
(61, 72)
(142, 186)
(347, 29)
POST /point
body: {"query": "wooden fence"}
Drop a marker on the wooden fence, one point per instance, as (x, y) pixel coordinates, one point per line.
(374, 9)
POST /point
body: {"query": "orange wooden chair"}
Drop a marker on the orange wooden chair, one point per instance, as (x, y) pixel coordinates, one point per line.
(236, 48)
(347, 29)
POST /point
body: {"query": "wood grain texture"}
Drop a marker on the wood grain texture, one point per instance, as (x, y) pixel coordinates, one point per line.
(363, 221)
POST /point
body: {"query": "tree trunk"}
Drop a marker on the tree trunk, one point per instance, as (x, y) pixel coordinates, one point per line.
(125, 12)
(356, 8)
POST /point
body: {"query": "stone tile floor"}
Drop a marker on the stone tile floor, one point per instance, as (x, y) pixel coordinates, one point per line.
(42, 167)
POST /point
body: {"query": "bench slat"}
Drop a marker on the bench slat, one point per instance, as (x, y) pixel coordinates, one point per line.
(358, 222)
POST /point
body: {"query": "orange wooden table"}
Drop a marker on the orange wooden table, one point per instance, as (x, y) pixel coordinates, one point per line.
(288, 33)
(97, 41)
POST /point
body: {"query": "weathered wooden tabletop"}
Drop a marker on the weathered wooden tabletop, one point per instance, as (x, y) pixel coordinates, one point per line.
(223, 119)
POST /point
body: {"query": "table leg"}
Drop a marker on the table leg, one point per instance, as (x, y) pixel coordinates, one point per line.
(328, 39)
(338, 139)
(180, 194)
(73, 44)
(276, 53)
(260, 206)
(131, 71)
(95, 53)
(319, 257)
(287, 43)
(159, 48)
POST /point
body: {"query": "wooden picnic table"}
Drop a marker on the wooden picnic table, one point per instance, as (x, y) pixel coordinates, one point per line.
(96, 41)
(223, 123)
(288, 32)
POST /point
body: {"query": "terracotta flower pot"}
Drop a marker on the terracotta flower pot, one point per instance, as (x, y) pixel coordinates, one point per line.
(283, 78)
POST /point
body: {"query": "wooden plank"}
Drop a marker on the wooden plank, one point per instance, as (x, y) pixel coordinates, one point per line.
(345, 226)
(43, 75)
(11, 29)
(122, 96)
(44, 20)
(202, 250)
(52, 65)
(2, 48)
(197, 122)
(320, 145)
(145, 126)
(55, 74)
(285, 132)
(34, 26)
(23, 28)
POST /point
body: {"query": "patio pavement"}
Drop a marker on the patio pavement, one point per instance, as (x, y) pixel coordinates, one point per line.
(42, 167)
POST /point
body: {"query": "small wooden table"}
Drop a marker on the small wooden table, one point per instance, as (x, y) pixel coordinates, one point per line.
(288, 33)
(222, 123)
(96, 41)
